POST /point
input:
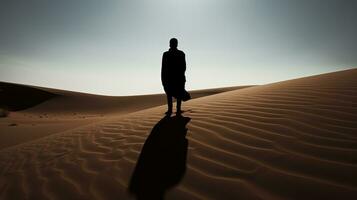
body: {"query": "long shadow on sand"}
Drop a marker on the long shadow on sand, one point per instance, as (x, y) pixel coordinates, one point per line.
(162, 162)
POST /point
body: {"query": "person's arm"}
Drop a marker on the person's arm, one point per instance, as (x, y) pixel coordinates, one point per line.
(184, 66)
(164, 69)
(184, 63)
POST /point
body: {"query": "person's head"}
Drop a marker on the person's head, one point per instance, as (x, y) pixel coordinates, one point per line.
(173, 43)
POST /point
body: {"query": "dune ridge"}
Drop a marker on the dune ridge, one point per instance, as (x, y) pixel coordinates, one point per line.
(289, 140)
(40, 100)
(31, 112)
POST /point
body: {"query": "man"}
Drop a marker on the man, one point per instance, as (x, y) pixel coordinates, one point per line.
(173, 76)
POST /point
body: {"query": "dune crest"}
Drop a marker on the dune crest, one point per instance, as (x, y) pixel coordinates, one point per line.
(289, 140)
(31, 112)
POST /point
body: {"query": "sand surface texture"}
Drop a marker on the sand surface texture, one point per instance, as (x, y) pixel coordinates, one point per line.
(36, 112)
(295, 139)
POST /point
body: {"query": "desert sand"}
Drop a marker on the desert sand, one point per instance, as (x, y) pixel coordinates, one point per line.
(36, 112)
(295, 139)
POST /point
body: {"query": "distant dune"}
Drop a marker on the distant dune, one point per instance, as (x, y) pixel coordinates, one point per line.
(35, 99)
(294, 139)
(44, 111)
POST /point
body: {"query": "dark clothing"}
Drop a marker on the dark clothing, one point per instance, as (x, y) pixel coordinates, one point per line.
(173, 73)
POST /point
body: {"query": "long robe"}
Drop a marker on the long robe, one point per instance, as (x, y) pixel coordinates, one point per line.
(173, 73)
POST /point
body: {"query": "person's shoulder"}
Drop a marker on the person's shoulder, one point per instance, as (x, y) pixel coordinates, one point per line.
(165, 54)
(181, 52)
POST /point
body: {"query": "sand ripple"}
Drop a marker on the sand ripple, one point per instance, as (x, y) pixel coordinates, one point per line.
(289, 140)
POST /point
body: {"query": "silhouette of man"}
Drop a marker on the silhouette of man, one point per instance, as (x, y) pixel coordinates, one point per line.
(173, 75)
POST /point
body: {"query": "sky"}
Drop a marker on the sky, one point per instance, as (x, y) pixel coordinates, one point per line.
(114, 47)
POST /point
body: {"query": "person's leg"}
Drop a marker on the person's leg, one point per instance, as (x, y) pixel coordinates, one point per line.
(169, 104)
(178, 106)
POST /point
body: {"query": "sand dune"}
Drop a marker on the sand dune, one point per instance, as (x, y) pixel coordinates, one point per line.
(289, 140)
(44, 111)
(42, 100)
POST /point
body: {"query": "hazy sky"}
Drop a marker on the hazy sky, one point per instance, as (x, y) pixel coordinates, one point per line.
(114, 47)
